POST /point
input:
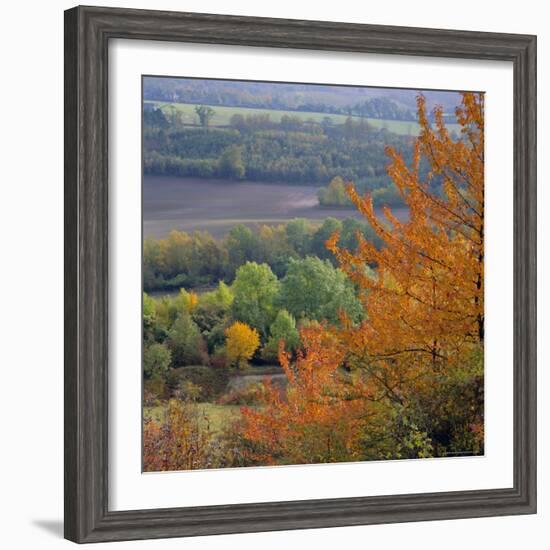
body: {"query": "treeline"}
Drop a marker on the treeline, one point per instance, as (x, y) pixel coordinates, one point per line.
(322, 99)
(381, 107)
(199, 260)
(255, 147)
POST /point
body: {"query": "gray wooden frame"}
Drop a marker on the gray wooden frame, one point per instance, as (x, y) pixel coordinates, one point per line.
(87, 34)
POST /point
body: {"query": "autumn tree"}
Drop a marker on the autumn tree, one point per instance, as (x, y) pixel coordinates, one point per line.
(180, 440)
(320, 418)
(425, 326)
(425, 306)
(414, 363)
(241, 343)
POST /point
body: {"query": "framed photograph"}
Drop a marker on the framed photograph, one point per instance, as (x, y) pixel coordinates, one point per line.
(300, 274)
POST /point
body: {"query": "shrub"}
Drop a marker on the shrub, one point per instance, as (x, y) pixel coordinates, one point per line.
(219, 360)
(249, 395)
(212, 382)
(334, 194)
(179, 442)
(156, 360)
(154, 390)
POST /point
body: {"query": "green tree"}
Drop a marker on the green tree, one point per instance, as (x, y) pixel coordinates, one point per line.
(205, 114)
(255, 288)
(334, 194)
(274, 248)
(152, 262)
(298, 232)
(211, 320)
(156, 360)
(283, 328)
(206, 260)
(314, 289)
(231, 163)
(242, 246)
(154, 117)
(176, 252)
(149, 318)
(186, 343)
(222, 297)
(237, 120)
(351, 228)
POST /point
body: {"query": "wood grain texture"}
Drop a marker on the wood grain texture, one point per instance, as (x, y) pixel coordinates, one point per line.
(87, 33)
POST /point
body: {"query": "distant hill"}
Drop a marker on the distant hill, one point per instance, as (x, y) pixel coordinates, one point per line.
(386, 103)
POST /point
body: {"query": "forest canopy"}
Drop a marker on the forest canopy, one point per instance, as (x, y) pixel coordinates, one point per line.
(198, 260)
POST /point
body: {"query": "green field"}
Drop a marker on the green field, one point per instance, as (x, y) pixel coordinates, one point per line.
(223, 115)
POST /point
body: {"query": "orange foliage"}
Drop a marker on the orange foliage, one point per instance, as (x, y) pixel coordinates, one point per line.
(193, 302)
(425, 309)
(318, 419)
(178, 442)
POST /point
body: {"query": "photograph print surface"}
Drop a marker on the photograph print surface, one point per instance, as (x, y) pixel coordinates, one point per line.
(313, 274)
